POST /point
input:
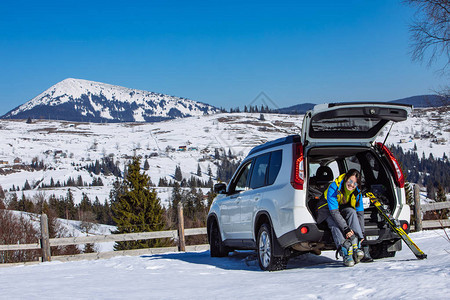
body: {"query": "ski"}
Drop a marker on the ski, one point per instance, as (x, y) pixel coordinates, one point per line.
(395, 226)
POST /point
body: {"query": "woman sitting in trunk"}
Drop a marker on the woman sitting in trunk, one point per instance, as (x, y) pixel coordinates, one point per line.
(341, 206)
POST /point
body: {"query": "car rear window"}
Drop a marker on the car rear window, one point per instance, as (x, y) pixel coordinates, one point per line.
(274, 167)
(344, 126)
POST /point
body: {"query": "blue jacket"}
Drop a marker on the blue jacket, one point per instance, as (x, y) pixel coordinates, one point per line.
(333, 199)
(335, 196)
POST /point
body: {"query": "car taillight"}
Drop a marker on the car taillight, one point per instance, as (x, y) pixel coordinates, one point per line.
(304, 230)
(298, 174)
(405, 226)
(398, 174)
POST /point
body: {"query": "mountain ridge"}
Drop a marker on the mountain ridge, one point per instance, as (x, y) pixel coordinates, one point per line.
(84, 100)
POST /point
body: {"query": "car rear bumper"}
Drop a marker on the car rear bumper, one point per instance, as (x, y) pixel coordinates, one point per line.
(312, 235)
(317, 238)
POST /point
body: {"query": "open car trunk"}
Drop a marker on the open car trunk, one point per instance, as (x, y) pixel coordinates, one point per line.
(350, 123)
(324, 164)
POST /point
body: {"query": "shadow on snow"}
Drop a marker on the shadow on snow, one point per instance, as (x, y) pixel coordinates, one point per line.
(246, 260)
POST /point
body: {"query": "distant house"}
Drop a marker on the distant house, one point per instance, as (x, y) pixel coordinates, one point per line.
(17, 160)
(182, 148)
(4, 162)
(58, 153)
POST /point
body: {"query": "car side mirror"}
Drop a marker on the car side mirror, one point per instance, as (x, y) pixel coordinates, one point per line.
(220, 188)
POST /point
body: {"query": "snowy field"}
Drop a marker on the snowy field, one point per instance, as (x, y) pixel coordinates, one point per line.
(197, 276)
(64, 147)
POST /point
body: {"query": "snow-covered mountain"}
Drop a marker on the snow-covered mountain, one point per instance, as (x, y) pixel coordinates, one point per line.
(89, 101)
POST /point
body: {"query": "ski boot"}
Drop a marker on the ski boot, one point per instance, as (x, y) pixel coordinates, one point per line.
(358, 254)
(347, 253)
(367, 258)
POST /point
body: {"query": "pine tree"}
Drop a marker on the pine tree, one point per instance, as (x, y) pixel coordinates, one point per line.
(97, 168)
(176, 198)
(137, 208)
(199, 170)
(178, 175)
(146, 165)
(85, 204)
(440, 197)
(70, 210)
(79, 181)
(26, 186)
(13, 203)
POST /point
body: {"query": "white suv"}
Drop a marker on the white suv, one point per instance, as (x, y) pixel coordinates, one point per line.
(269, 204)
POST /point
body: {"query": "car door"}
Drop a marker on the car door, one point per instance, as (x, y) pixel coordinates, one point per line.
(350, 123)
(230, 211)
(249, 199)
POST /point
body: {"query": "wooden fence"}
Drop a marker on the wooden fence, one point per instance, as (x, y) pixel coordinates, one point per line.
(45, 242)
(178, 235)
(419, 208)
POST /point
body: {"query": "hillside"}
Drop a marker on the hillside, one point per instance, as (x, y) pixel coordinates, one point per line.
(194, 275)
(68, 148)
(88, 101)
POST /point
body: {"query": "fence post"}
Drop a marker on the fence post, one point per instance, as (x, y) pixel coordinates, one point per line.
(45, 242)
(181, 240)
(417, 211)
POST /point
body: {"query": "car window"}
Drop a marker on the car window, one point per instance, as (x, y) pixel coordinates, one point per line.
(352, 162)
(274, 166)
(241, 180)
(335, 168)
(259, 171)
(374, 164)
(313, 169)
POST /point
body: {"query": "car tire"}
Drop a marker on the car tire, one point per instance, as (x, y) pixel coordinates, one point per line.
(265, 251)
(216, 246)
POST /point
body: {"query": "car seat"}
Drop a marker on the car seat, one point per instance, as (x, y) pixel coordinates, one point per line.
(317, 185)
(323, 178)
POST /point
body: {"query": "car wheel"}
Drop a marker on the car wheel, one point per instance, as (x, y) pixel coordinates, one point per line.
(216, 247)
(267, 260)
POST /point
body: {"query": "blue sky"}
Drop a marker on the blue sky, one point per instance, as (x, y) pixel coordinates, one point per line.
(220, 52)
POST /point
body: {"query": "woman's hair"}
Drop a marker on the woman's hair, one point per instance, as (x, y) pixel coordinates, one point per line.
(356, 173)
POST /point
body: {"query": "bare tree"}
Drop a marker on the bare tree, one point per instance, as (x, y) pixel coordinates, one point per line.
(430, 31)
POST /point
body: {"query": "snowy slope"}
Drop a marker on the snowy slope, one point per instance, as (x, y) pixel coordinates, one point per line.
(197, 276)
(83, 100)
(66, 146)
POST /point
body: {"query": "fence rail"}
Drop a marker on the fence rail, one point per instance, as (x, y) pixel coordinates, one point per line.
(107, 238)
(435, 206)
(419, 208)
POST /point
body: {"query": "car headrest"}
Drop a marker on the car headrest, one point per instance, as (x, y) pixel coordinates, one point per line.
(324, 173)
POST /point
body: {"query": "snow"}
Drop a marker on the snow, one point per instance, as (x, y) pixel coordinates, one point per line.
(83, 143)
(194, 275)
